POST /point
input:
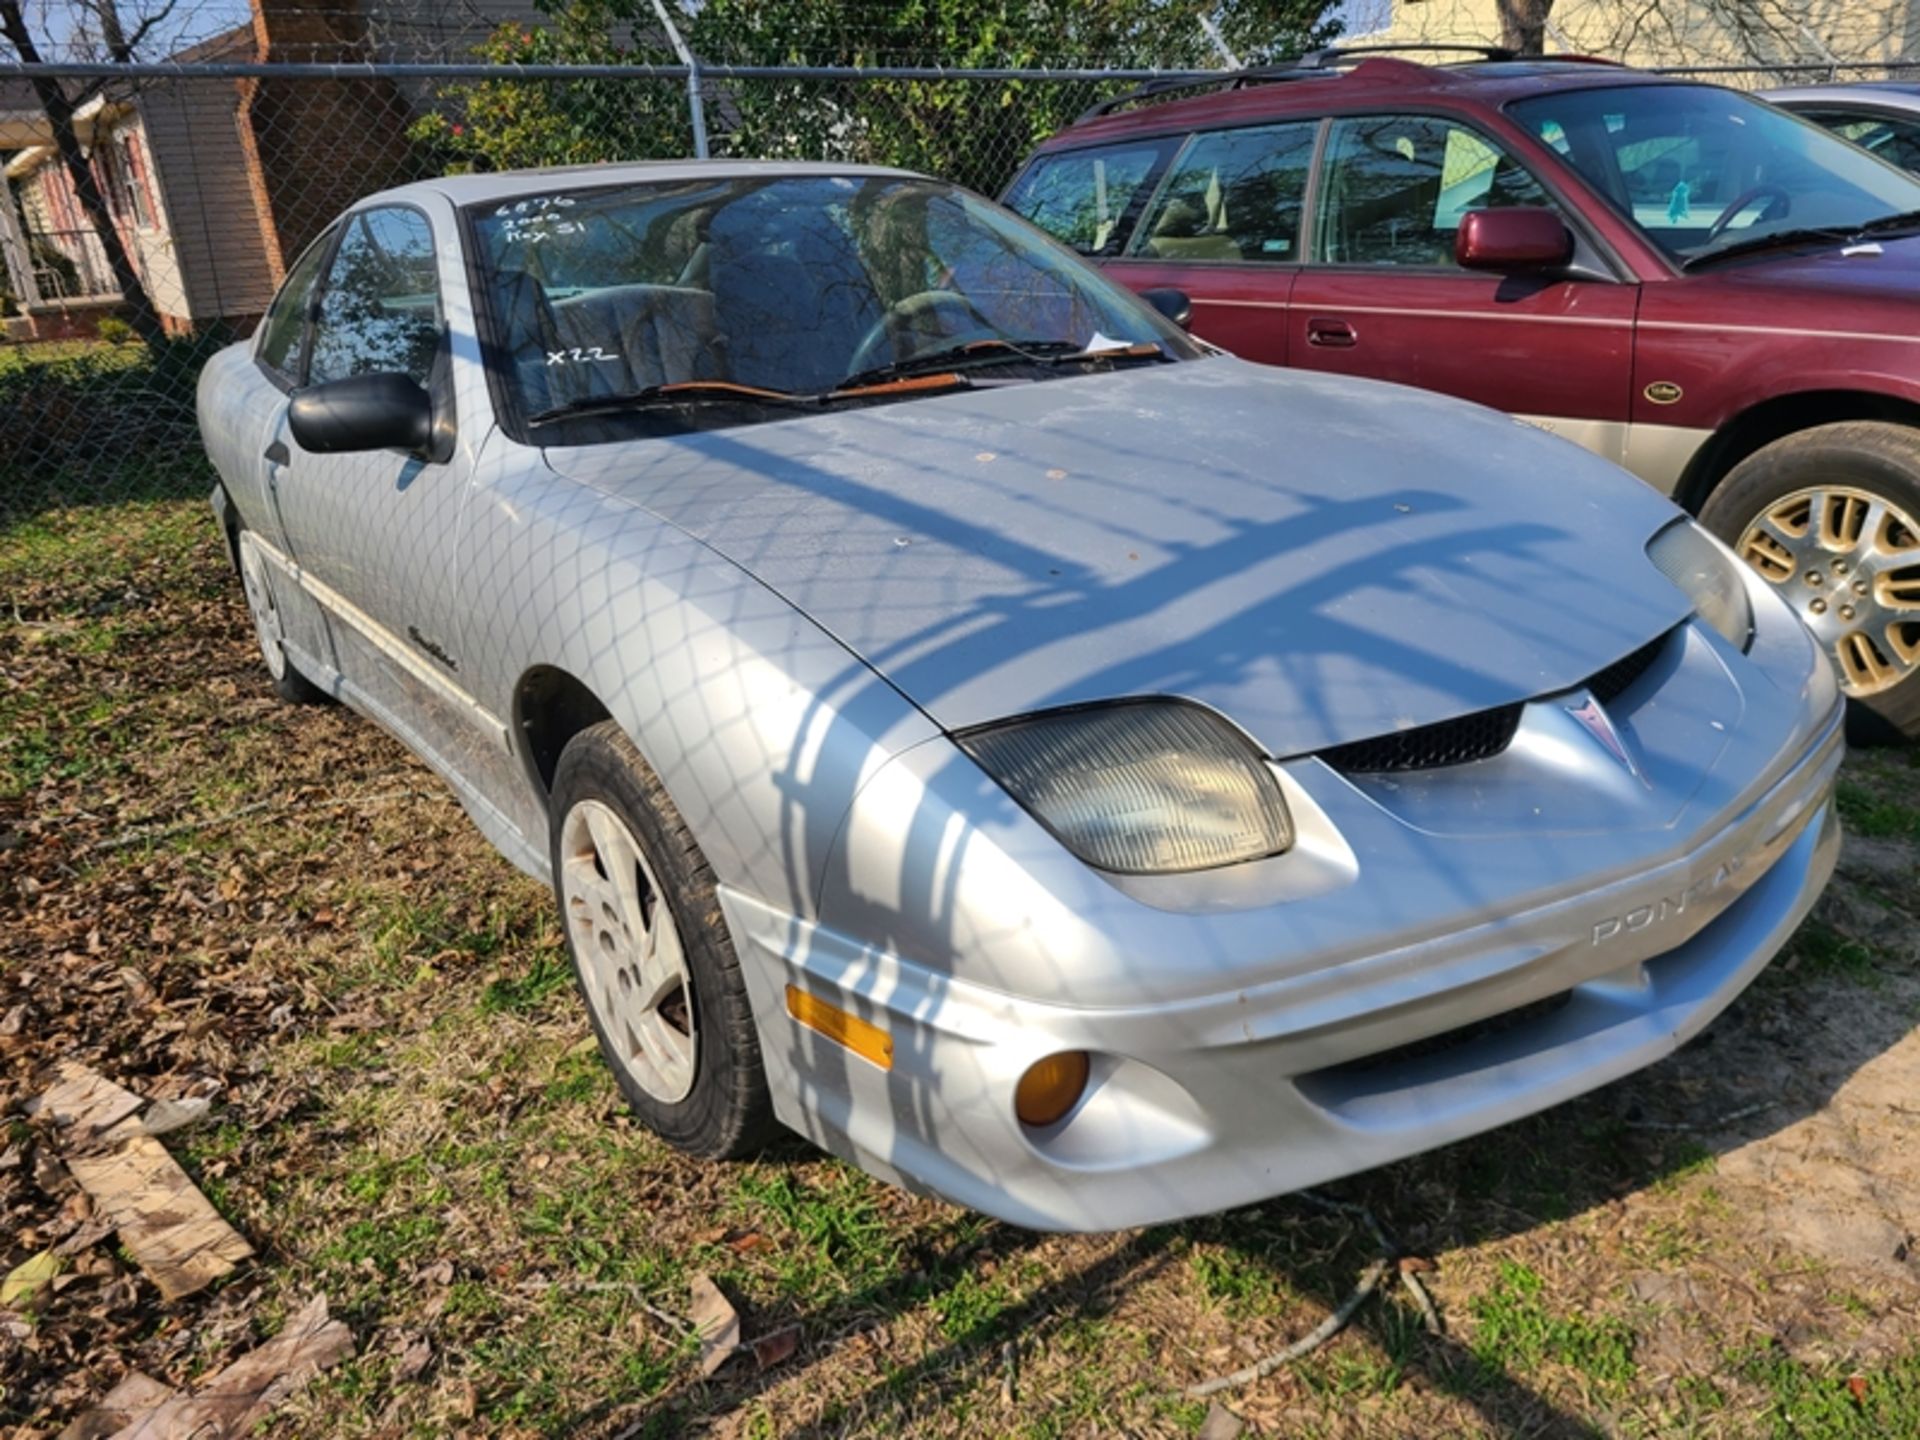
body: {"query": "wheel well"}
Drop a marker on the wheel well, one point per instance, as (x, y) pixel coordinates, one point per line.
(550, 707)
(1775, 419)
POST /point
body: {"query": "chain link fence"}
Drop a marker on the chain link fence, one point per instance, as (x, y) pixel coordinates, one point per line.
(214, 175)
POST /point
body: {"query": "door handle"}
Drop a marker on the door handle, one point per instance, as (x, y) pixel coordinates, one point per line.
(277, 453)
(1333, 334)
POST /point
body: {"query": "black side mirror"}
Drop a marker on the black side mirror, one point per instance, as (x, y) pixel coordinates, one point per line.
(1171, 303)
(362, 412)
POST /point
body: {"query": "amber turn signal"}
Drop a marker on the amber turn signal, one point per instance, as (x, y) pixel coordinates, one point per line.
(1051, 1087)
(867, 1041)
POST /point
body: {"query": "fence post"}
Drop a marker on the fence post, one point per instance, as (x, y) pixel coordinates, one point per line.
(696, 104)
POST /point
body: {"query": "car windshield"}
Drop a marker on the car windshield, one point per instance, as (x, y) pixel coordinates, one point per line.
(750, 291)
(1700, 169)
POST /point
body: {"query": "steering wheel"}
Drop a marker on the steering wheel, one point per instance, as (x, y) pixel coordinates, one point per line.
(941, 306)
(1740, 203)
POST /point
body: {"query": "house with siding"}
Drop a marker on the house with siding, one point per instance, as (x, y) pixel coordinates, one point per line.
(215, 186)
(1671, 33)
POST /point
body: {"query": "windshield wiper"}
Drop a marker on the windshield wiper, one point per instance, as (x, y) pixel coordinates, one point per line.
(680, 392)
(1891, 224)
(1806, 235)
(978, 354)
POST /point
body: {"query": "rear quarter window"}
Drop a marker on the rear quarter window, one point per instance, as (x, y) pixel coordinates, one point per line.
(1087, 199)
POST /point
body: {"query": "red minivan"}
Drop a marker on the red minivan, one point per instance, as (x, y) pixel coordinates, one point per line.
(1719, 296)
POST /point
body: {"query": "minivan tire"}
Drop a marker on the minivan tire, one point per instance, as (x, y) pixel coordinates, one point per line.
(1875, 458)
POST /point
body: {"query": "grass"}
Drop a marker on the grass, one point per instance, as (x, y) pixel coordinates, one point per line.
(1516, 1331)
(411, 1118)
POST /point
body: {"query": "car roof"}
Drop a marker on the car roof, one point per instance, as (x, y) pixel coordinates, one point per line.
(507, 184)
(1276, 92)
(1900, 94)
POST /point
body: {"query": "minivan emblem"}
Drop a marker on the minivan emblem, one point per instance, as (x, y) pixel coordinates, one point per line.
(1663, 392)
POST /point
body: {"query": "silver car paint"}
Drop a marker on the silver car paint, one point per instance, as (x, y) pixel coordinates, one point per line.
(787, 690)
(1028, 546)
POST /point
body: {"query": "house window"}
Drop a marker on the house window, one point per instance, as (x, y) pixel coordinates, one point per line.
(127, 150)
(123, 178)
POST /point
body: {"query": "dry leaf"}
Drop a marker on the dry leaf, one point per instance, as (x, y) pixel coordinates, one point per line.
(165, 1116)
(1858, 1385)
(770, 1350)
(716, 1322)
(414, 1358)
(28, 1279)
(1221, 1423)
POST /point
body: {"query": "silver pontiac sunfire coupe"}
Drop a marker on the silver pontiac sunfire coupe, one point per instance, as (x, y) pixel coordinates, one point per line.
(1046, 761)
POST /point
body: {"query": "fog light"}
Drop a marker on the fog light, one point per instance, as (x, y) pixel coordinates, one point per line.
(1051, 1087)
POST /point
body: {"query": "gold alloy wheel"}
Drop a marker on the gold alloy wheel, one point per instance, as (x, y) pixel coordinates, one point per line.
(1848, 562)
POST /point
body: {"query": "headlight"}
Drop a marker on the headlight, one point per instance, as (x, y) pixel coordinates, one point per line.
(1144, 787)
(1701, 566)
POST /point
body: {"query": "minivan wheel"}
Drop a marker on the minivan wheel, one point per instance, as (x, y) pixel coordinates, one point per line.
(651, 952)
(1831, 518)
(288, 683)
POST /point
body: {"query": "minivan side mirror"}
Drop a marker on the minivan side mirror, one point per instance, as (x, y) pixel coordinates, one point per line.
(1512, 241)
(1172, 303)
(362, 412)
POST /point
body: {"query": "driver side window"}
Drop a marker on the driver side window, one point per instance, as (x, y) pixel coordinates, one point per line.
(380, 309)
(283, 334)
(1398, 186)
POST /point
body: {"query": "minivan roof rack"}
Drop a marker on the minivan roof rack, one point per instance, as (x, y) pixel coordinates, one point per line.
(1334, 54)
(1226, 79)
(1314, 65)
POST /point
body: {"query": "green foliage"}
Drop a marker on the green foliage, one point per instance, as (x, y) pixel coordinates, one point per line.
(972, 131)
(112, 330)
(521, 124)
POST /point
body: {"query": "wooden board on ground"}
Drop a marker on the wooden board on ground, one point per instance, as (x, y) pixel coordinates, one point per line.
(230, 1404)
(163, 1219)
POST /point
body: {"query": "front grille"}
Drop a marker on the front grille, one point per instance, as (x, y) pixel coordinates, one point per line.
(1611, 683)
(1482, 735)
(1479, 736)
(1451, 1039)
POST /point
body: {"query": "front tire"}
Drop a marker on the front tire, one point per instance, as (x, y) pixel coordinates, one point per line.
(257, 584)
(1831, 518)
(651, 953)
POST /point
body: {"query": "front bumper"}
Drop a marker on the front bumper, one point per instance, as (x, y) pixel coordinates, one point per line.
(1199, 1103)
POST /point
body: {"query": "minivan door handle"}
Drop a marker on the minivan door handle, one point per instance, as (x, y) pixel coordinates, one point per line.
(1334, 334)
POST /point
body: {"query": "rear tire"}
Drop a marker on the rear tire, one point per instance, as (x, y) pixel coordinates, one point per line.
(256, 582)
(651, 953)
(1831, 517)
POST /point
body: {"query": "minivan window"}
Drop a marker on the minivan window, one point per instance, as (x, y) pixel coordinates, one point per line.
(380, 308)
(1082, 197)
(1234, 195)
(1398, 186)
(1698, 168)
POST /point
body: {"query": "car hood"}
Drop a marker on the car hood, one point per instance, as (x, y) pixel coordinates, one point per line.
(1876, 281)
(1319, 559)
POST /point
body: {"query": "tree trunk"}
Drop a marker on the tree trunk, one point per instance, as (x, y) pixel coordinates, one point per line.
(1523, 25)
(66, 142)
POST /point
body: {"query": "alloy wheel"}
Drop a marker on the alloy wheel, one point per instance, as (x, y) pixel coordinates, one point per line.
(633, 967)
(1848, 562)
(266, 615)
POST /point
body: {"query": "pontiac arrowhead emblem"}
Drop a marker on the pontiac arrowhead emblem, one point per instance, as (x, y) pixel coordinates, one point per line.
(1597, 723)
